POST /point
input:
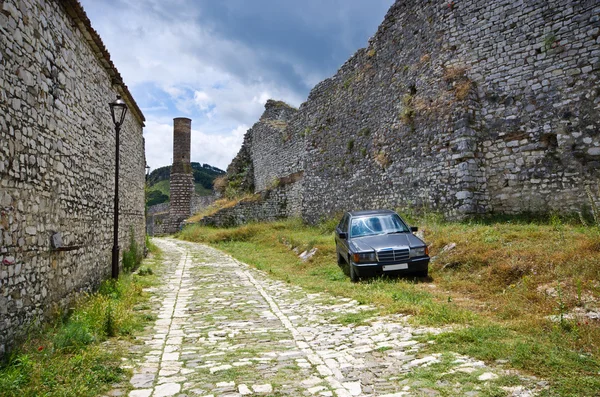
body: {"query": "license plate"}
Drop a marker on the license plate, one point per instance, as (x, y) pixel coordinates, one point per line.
(400, 266)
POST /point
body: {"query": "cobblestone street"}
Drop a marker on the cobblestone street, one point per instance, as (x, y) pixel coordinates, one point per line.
(225, 329)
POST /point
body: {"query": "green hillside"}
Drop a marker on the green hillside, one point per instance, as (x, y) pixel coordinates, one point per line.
(159, 188)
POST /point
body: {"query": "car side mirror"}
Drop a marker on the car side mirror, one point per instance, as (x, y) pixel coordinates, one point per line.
(414, 229)
(343, 235)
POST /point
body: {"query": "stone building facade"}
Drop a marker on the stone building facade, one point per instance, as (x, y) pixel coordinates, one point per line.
(57, 161)
(463, 107)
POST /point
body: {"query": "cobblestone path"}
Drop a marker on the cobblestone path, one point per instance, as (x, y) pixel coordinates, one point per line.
(225, 329)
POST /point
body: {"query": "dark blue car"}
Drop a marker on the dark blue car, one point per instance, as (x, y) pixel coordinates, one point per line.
(379, 242)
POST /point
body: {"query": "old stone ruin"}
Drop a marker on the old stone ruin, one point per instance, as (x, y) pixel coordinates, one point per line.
(57, 162)
(169, 217)
(468, 107)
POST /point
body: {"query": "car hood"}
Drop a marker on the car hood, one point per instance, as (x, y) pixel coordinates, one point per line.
(383, 241)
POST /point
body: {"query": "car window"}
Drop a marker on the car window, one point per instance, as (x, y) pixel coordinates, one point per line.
(377, 224)
(343, 225)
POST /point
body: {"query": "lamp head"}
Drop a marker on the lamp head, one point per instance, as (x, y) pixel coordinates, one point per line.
(118, 109)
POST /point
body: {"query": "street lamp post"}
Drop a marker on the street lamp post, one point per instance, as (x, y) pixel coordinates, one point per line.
(118, 109)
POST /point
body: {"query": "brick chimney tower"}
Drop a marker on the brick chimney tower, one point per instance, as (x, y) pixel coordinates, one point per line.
(182, 180)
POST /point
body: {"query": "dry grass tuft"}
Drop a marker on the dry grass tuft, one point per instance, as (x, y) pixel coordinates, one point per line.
(220, 184)
(462, 89)
(383, 159)
(453, 73)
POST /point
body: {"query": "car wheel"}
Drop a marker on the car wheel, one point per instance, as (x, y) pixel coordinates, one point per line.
(340, 260)
(423, 273)
(353, 275)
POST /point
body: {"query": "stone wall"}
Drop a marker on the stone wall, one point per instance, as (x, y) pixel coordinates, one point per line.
(276, 152)
(157, 216)
(270, 205)
(198, 203)
(158, 208)
(57, 161)
(157, 223)
(463, 107)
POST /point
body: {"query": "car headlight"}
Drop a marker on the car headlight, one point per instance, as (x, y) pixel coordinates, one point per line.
(419, 251)
(364, 257)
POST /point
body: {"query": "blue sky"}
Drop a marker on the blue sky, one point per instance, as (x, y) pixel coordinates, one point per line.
(218, 61)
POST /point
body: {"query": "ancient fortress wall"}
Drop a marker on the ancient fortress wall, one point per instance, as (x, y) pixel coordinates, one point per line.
(276, 151)
(57, 160)
(463, 107)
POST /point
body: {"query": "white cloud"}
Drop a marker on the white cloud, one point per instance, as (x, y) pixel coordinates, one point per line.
(216, 150)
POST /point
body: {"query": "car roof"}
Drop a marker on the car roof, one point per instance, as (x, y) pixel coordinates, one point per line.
(370, 212)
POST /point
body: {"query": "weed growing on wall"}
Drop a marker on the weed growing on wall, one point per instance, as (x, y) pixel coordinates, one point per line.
(550, 41)
(132, 257)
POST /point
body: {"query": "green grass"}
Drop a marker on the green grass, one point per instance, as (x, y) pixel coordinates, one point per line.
(492, 288)
(66, 357)
(165, 188)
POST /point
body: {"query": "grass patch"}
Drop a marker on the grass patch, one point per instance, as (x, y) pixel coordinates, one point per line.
(66, 357)
(496, 288)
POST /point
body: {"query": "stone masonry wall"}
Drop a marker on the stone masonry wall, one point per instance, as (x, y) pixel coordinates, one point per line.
(158, 208)
(276, 151)
(463, 107)
(57, 161)
(198, 203)
(269, 205)
(157, 216)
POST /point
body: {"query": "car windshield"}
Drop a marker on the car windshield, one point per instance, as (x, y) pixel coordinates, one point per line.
(377, 224)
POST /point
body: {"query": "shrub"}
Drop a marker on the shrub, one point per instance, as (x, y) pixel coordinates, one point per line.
(75, 335)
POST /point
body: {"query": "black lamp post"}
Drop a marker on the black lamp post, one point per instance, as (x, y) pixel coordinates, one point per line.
(118, 109)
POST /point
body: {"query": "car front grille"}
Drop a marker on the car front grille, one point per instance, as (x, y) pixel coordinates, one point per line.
(390, 255)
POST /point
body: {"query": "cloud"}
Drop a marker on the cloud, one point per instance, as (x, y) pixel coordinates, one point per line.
(205, 148)
(217, 62)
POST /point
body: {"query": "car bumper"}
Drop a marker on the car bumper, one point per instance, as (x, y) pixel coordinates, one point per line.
(417, 265)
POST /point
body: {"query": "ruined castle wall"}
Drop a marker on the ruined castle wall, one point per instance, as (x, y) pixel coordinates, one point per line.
(537, 68)
(200, 202)
(276, 147)
(276, 203)
(57, 162)
(463, 107)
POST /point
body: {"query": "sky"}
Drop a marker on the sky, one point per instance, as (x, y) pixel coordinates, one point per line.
(218, 61)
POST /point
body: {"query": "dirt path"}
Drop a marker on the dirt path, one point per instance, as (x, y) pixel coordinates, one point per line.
(225, 329)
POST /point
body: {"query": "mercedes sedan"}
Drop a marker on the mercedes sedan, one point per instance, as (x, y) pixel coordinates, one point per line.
(379, 242)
